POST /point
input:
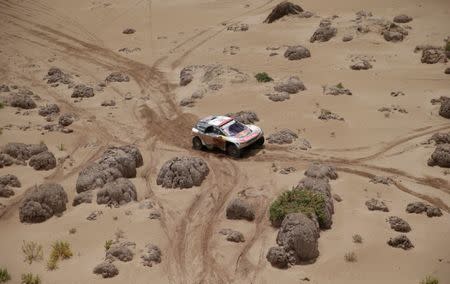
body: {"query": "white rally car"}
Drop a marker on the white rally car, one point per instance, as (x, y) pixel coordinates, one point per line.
(226, 134)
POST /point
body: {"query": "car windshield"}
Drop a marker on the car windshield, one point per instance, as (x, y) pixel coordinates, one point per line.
(233, 127)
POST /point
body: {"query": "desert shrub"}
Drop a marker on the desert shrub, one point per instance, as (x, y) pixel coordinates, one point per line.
(1, 105)
(350, 257)
(357, 238)
(29, 278)
(72, 231)
(447, 46)
(32, 251)
(61, 147)
(263, 77)
(108, 244)
(430, 280)
(60, 250)
(340, 86)
(4, 275)
(295, 201)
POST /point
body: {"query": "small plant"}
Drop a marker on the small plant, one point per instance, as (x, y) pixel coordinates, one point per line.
(72, 231)
(430, 280)
(4, 275)
(350, 257)
(357, 239)
(32, 251)
(1, 105)
(340, 86)
(29, 278)
(108, 244)
(61, 147)
(263, 77)
(295, 201)
(447, 46)
(60, 250)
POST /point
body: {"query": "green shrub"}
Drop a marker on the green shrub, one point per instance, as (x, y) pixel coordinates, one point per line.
(108, 244)
(29, 278)
(430, 280)
(295, 201)
(1, 105)
(72, 231)
(447, 46)
(263, 77)
(340, 86)
(60, 250)
(4, 275)
(32, 251)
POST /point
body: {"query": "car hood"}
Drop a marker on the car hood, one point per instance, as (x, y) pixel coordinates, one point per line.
(248, 134)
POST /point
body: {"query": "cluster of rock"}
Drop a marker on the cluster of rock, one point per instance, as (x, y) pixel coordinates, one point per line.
(444, 110)
(297, 52)
(7, 181)
(361, 62)
(18, 153)
(381, 179)
(432, 54)
(297, 238)
(440, 138)
(398, 224)
(324, 32)
(284, 136)
(441, 156)
(420, 207)
(110, 173)
(43, 202)
(182, 172)
(329, 115)
(393, 32)
(284, 89)
(211, 77)
(376, 205)
(51, 112)
(117, 77)
(337, 90)
(239, 208)
(283, 9)
(21, 98)
(400, 241)
(244, 116)
(239, 27)
(233, 235)
(393, 108)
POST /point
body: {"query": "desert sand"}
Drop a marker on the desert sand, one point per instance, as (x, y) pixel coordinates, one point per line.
(85, 39)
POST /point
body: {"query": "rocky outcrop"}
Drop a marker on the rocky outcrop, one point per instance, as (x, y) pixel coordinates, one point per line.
(106, 269)
(21, 101)
(291, 86)
(245, 116)
(318, 170)
(151, 256)
(401, 241)
(182, 172)
(42, 203)
(117, 192)
(43, 161)
(402, 19)
(281, 10)
(120, 252)
(117, 77)
(297, 52)
(398, 224)
(84, 197)
(441, 156)
(433, 55)
(284, 136)
(82, 91)
(278, 257)
(376, 205)
(49, 109)
(420, 207)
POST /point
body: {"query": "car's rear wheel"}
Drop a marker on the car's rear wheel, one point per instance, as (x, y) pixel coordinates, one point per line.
(197, 143)
(233, 151)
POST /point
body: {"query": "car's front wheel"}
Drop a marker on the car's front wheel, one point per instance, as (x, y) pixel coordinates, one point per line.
(197, 143)
(233, 151)
(260, 142)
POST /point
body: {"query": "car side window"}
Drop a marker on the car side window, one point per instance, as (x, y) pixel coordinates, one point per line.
(217, 131)
(209, 130)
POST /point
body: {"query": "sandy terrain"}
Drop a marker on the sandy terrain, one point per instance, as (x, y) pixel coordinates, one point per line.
(83, 38)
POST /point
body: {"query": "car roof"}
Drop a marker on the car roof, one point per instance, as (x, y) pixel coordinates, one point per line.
(215, 120)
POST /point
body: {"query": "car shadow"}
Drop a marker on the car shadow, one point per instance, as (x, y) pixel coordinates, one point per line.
(245, 153)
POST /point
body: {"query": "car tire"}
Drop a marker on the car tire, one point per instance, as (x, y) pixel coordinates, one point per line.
(197, 143)
(233, 151)
(260, 142)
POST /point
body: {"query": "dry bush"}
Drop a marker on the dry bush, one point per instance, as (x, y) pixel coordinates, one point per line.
(108, 244)
(60, 250)
(32, 251)
(357, 238)
(350, 257)
(29, 278)
(4, 275)
(72, 231)
(430, 280)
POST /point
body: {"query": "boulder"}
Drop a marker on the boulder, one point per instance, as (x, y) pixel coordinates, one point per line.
(337, 90)
(43, 161)
(347, 38)
(284, 136)
(6, 160)
(240, 209)
(120, 252)
(128, 31)
(329, 115)
(283, 9)
(21, 101)
(238, 27)
(83, 197)
(361, 65)
(402, 18)
(441, 138)
(23, 152)
(118, 192)
(398, 224)
(117, 77)
(56, 75)
(444, 110)
(42, 203)
(82, 91)
(152, 255)
(186, 76)
(49, 109)
(106, 269)
(323, 33)
(108, 103)
(278, 97)
(376, 205)
(297, 52)
(66, 119)
(182, 172)
(245, 116)
(299, 235)
(401, 241)
(10, 180)
(5, 191)
(235, 236)
(433, 55)
(441, 156)
(292, 85)
(277, 257)
(318, 170)
(420, 207)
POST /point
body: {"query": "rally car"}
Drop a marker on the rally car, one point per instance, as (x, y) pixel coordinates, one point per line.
(226, 134)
